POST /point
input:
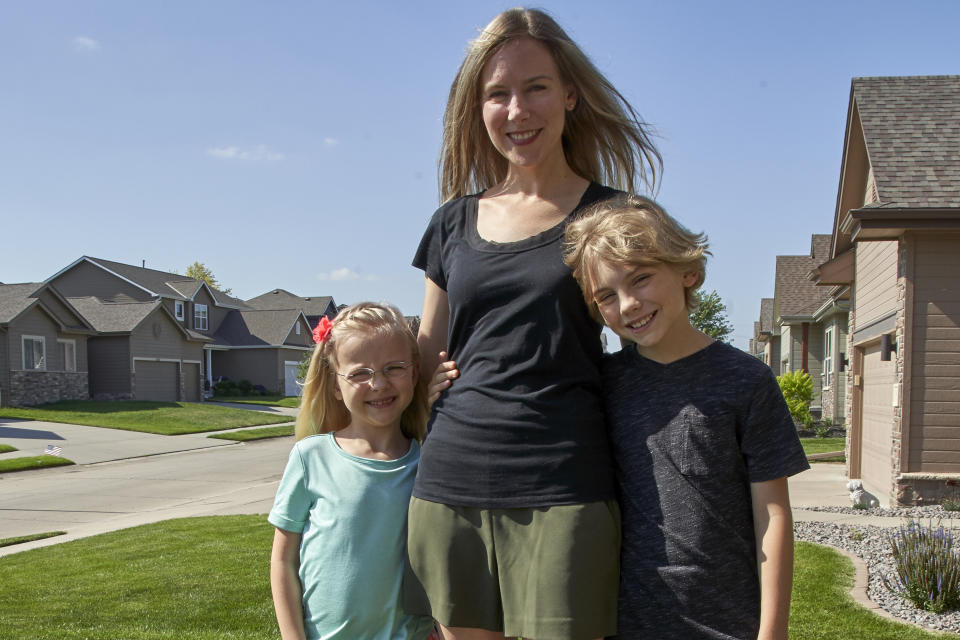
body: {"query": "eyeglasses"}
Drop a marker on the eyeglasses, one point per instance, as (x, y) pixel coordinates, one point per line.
(365, 375)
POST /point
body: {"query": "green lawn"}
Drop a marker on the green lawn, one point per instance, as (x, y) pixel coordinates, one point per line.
(164, 418)
(6, 448)
(208, 579)
(6, 542)
(822, 608)
(270, 401)
(245, 435)
(8, 465)
(823, 445)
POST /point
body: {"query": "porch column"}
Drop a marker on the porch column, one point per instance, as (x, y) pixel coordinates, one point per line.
(209, 365)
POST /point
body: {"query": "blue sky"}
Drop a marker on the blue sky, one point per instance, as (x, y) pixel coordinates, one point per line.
(294, 144)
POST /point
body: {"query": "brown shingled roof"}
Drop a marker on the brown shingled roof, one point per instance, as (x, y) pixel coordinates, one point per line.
(911, 126)
(794, 293)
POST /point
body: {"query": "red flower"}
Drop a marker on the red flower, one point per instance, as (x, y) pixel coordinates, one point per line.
(321, 333)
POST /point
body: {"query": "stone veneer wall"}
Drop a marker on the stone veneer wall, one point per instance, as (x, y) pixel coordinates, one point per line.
(39, 387)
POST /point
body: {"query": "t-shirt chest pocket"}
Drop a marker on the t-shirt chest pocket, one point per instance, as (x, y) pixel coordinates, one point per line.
(698, 443)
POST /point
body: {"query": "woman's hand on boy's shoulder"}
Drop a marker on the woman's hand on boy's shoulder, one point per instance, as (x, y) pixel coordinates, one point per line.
(442, 378)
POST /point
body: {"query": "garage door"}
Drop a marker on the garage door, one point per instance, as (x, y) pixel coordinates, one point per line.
(877, 420)
(157, 381)
(191, 382)
(290, 386)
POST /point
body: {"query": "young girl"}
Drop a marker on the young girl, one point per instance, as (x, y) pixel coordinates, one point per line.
(341, 507)
(514, 530)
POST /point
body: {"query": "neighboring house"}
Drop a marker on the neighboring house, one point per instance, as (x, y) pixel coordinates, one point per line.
(43, 346)
(264, 347)
(796, 301)
(766, 337)
(895, 250)
(313, 307)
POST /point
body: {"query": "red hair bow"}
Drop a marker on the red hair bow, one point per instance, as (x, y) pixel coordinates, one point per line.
(321, 333)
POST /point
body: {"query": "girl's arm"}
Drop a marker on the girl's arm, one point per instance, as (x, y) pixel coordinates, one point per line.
(434, 323)
(773, 528)
(285, 584)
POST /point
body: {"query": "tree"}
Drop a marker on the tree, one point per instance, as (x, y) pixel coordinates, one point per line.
(199, 271)
(711, 316)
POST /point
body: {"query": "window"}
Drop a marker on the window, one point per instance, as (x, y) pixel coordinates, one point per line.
(178, 309)
(828, 357)
(298, 327)
(34, 353)
(200, 317)
(68, 354)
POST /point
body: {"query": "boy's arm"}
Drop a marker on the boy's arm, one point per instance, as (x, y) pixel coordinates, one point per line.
(285, 584)
(773, 528)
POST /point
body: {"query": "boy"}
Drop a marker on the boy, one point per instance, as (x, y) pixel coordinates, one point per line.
(702, 439)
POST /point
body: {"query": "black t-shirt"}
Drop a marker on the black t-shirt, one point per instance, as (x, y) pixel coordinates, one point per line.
(688, 438)
(523, 425)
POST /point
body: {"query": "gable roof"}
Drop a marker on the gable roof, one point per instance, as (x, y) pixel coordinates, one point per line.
(794, 293)
(15, 299)
(283, 299)
(162, 284)
(911, 126)
(123, 317)
(257, 328)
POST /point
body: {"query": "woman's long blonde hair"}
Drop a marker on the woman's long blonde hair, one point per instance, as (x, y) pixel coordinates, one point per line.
(604, 139)
(320, 410)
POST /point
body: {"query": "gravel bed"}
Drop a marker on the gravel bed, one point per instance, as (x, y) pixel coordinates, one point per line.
(917, 513)
(870, 544)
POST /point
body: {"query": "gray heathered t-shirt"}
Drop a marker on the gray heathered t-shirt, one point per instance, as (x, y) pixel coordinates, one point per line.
(688, 439)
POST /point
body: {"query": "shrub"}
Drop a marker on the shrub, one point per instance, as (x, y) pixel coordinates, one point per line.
(822, 431)
(245, 387)
(928, 569)
(950, 504)
(225, 388)
(827, 422)
(797, 389)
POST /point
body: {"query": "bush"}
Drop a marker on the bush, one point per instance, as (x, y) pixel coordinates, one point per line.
(225, 388)
(797, 389)
(245, 387)
(822, 431)
(950, 504)
(928, 570)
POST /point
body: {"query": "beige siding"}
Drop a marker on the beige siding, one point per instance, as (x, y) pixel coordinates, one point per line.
(305, 339)
(785, 350)
(935, 356)
(815, 360)
(877, 417)
(109, 362)
(259, 366)
(875, 294)
(86, 279)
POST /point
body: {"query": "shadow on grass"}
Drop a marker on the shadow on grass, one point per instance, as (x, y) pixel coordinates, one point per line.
(95, 406)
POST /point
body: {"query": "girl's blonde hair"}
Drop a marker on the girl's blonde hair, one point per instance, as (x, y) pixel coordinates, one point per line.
(604, 140)
(632, 231)
(320, 410)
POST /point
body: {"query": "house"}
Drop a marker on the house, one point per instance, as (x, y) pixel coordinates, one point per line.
(163, 336)
(43, 346)
(895, 255)
(795, 302)
(766, 337)
(313, 307)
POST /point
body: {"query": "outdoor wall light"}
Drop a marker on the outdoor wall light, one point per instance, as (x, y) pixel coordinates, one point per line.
(887, 346)
(844, 363)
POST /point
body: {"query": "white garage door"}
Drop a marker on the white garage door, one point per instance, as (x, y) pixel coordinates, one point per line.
(290, 386)
(877, 417)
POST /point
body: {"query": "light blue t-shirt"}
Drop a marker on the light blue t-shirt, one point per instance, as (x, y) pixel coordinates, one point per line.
(352, 514)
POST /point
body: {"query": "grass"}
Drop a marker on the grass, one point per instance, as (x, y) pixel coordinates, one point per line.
(208, 579)
(823, 445)
(270, 401)
(245, 435)
(6, 448)
(197, 578)
(164, 418)
(6, 542)
(9, 465)
(822, 608)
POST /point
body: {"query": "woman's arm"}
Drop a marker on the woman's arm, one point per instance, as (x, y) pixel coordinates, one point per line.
(434, 323)
(285, 584)
(773, 528)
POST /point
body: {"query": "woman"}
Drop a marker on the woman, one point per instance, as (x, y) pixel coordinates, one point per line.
(513, 528)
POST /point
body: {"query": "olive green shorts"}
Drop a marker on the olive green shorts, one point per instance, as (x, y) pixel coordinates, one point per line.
(547, 573)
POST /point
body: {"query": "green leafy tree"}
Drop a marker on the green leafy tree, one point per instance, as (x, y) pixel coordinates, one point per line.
(199, 271)
(711, 316)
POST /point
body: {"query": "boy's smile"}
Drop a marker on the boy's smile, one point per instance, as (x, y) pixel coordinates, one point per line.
(646, 304)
